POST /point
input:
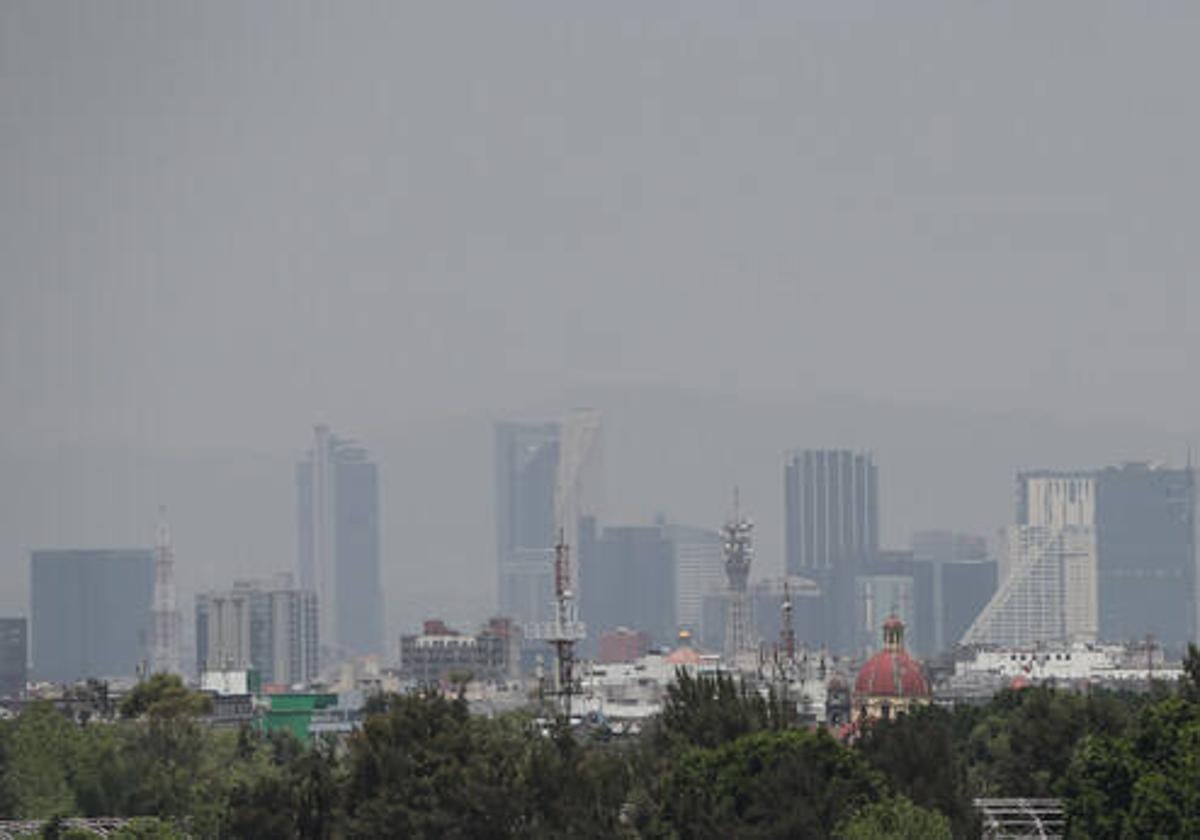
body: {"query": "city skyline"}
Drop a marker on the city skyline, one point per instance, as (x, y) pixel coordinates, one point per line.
(732, 234)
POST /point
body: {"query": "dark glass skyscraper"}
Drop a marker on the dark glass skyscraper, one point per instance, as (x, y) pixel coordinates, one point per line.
(338, 542)
(1146, 554)
(91, 612)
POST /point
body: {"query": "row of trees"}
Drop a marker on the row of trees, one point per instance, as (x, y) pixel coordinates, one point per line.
(721, 761)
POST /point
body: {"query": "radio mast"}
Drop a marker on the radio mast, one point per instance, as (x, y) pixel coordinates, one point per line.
(739, 552)
(164, 651)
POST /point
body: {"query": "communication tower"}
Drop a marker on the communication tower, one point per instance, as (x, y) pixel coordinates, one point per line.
(787, 631)
(164, 651)
(739, 551)
(565, 629)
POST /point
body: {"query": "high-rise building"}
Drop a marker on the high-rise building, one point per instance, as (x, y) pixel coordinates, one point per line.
(627, 580)
(547, 480)
(961, 580)
(699, 570)
(526, 472)
(338, 494)
(1140, 577)
(14, 657)
(1049, 594)
(269, 625)
(1146, 554)
(831, 515)
(91, 612)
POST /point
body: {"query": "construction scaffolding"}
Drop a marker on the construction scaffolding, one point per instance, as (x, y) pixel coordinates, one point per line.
(1019, 819)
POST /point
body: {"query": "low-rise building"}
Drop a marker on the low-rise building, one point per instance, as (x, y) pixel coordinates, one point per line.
(439, 654)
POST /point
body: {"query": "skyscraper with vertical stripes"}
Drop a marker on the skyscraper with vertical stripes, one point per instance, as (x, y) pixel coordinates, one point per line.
(831, 515)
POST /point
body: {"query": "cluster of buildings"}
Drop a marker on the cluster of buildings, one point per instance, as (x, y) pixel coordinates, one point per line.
(113, 614)
(1095, 561)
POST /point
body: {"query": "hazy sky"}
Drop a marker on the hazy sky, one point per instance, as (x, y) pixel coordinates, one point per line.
(222, 222)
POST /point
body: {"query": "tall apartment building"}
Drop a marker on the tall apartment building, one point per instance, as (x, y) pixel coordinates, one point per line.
(91, 612)
(338, 517)
(831, 515)
(14, 657)
(270, 626)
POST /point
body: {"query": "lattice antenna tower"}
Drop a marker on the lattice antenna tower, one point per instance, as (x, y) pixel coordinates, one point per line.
(739, 552)
(565, 630)
(164, 651)
(787, 629)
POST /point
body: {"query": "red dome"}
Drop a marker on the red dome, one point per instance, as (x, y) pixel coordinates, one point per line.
(891, 673)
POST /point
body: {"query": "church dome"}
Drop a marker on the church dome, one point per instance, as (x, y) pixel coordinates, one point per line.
(892, 672)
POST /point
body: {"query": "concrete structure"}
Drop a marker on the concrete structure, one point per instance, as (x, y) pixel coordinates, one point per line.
(338, 542)
(438, 654)
(1049, 595)
(14, 657)
(267, 625)
(627, 579)
(91, 612)
(831, 515)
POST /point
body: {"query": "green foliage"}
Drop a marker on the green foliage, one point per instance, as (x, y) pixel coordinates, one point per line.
(426, 768)
(916, 753)
(42, 754)
(764, 785)
(706, 711)
(1143, 785)
(895, 818)
(149, 828)
(164, 696)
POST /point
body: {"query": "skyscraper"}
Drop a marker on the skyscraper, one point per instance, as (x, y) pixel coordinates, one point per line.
(1106, 554)
(1146, 554)
(699, 570)
(338, 542)
(268, 625)
(626, 579)
(91, 612)
(547, 479)
(831, 515)
(526, 469)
